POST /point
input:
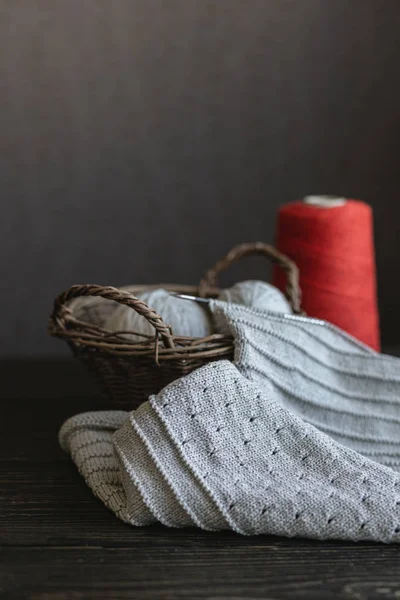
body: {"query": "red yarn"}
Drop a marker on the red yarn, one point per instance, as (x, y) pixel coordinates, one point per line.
(334, 250)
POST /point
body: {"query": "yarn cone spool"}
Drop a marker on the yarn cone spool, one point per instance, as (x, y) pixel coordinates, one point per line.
(331, 241)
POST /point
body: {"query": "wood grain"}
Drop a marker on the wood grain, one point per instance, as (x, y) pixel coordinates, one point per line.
(193, 570)
(58, 542)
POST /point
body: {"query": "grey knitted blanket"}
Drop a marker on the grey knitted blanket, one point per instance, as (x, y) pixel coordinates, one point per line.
(300, 436)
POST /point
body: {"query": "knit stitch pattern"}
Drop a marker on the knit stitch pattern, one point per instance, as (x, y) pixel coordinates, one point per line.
(299, 437)
(351, 394)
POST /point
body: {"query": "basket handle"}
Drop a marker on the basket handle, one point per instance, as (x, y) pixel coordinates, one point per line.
(293, 291)
(61, 313)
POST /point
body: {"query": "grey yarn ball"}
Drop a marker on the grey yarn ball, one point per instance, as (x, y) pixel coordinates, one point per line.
(187, 318)
(256, 294)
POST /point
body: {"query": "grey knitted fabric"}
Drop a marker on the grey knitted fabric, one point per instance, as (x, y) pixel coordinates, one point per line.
(322, 375)
(300, 437)
(88, 438)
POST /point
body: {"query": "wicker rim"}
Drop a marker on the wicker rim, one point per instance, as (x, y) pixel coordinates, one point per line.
(63, 323)
(61, 314)
(293, 291)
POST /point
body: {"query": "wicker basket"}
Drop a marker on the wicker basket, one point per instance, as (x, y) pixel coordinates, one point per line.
(128, 371)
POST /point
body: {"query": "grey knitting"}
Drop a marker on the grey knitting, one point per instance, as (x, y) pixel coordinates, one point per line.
(243, 446)
(345, 391)
(188, 492)
(267, 470)
(264, 469)
(88, 438)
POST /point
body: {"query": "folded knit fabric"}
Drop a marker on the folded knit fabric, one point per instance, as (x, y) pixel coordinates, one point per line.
(288, 440)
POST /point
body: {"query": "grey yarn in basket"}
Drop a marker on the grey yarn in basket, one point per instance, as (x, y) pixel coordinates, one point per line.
(185, 318)
(256, 294)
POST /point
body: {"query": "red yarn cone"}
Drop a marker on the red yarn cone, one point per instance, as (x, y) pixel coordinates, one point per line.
(334, 249)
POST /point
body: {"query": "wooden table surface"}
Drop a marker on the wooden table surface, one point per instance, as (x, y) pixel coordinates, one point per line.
(59, 542)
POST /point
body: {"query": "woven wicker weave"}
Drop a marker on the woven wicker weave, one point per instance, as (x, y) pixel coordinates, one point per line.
(128, 372)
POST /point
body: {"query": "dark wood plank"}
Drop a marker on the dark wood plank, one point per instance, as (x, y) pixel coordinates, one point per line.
(29, 427)
(188, 568)
(41, 378)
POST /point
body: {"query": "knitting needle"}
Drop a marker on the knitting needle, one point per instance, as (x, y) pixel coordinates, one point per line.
(285, 316)
(188, 297)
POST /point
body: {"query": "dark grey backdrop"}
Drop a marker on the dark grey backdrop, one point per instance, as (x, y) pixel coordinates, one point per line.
(140, 139)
